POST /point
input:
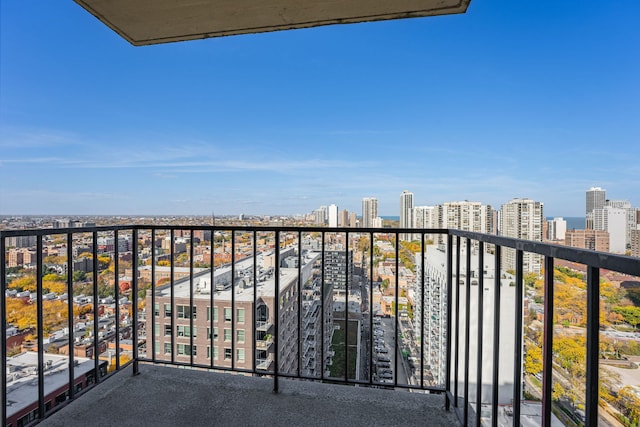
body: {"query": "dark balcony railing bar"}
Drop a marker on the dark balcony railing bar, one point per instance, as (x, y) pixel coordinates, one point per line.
(457, 336)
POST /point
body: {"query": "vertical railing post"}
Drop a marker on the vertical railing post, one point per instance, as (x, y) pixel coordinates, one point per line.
(547, 345)
(370, 348)
(495, 384)
(346, 310)
(322, 308)
(96, 316)
(593, 345)
(423, 260)
(72, 378)
(40, 327)
(467, 327)
(480, 333)
(395, 312)
(276, 322)
(154, 341)
(191, 302)
(233, 298)
(3, 328)
(134, 300)
(447, 371)
(456, 356)
(212, 310)
(517, 341)
(300, 332)
(116, 283)
(172, 296)
(255, 298)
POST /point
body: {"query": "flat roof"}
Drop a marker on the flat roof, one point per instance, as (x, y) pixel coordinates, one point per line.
(145, 22)
(22, 377)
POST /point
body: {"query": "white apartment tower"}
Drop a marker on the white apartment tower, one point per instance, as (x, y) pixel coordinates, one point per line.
(333, 216)
(557, 229)
(369, 211)
(596, 198)
(614, 220)
(406, 213)
(522, 219)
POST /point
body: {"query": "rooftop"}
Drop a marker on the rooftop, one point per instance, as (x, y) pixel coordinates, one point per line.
(166, 396)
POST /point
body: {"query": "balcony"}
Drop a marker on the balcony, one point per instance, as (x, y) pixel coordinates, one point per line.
(162, 396)
(477, 352)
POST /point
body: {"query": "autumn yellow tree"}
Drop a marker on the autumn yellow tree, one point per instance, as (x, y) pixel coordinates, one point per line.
(533, 360)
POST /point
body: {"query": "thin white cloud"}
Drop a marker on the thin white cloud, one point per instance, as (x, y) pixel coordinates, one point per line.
(10, 139)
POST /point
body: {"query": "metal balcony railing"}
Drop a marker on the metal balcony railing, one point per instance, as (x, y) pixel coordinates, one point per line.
(368, 344)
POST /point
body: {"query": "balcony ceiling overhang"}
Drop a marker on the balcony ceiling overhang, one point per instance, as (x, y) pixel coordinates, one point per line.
(145, 22)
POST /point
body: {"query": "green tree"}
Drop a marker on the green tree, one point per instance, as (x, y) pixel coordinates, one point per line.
(630, 314)
(79, 276)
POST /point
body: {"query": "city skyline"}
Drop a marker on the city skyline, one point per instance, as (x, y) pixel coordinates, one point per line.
(505, 101)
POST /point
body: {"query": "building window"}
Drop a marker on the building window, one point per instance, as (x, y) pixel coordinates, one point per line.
(156, 309)
(227, 354)
(184, 312)
(227, 314)
(240, 335)
(208, 314)
(215, 353)
(167, 348)
(186, 350)
(240, 355)
(215, 314)
(156, 326)
(208, 352)
(227, 334)
(167, 310)
(240, 315)
(185, 331)
(215, 333)
(167, 330)
(157, 347)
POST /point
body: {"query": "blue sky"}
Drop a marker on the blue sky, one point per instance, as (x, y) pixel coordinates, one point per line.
(536, 99)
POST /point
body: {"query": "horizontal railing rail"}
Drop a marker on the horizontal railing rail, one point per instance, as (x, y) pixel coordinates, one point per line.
(245, 309)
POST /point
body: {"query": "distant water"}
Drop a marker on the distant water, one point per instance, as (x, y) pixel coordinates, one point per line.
(573, 222)
(392, 218)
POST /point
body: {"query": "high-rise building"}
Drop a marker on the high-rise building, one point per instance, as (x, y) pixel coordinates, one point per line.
(522, 219)
(406, 213)
(557, 229)
(426, 217)
(333, 216)
(369, 211)
(343, 218)
(615, 222)
(321, 215)
(596, 198)
(353, 219)
(338, 269)
(465, 215)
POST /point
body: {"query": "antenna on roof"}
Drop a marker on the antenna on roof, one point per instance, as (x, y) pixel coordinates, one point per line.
(213, 219)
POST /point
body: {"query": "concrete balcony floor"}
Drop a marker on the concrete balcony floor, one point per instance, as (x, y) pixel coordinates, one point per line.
(167, 396)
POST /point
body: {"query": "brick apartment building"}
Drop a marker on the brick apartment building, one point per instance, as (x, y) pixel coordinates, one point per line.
(226, 323)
